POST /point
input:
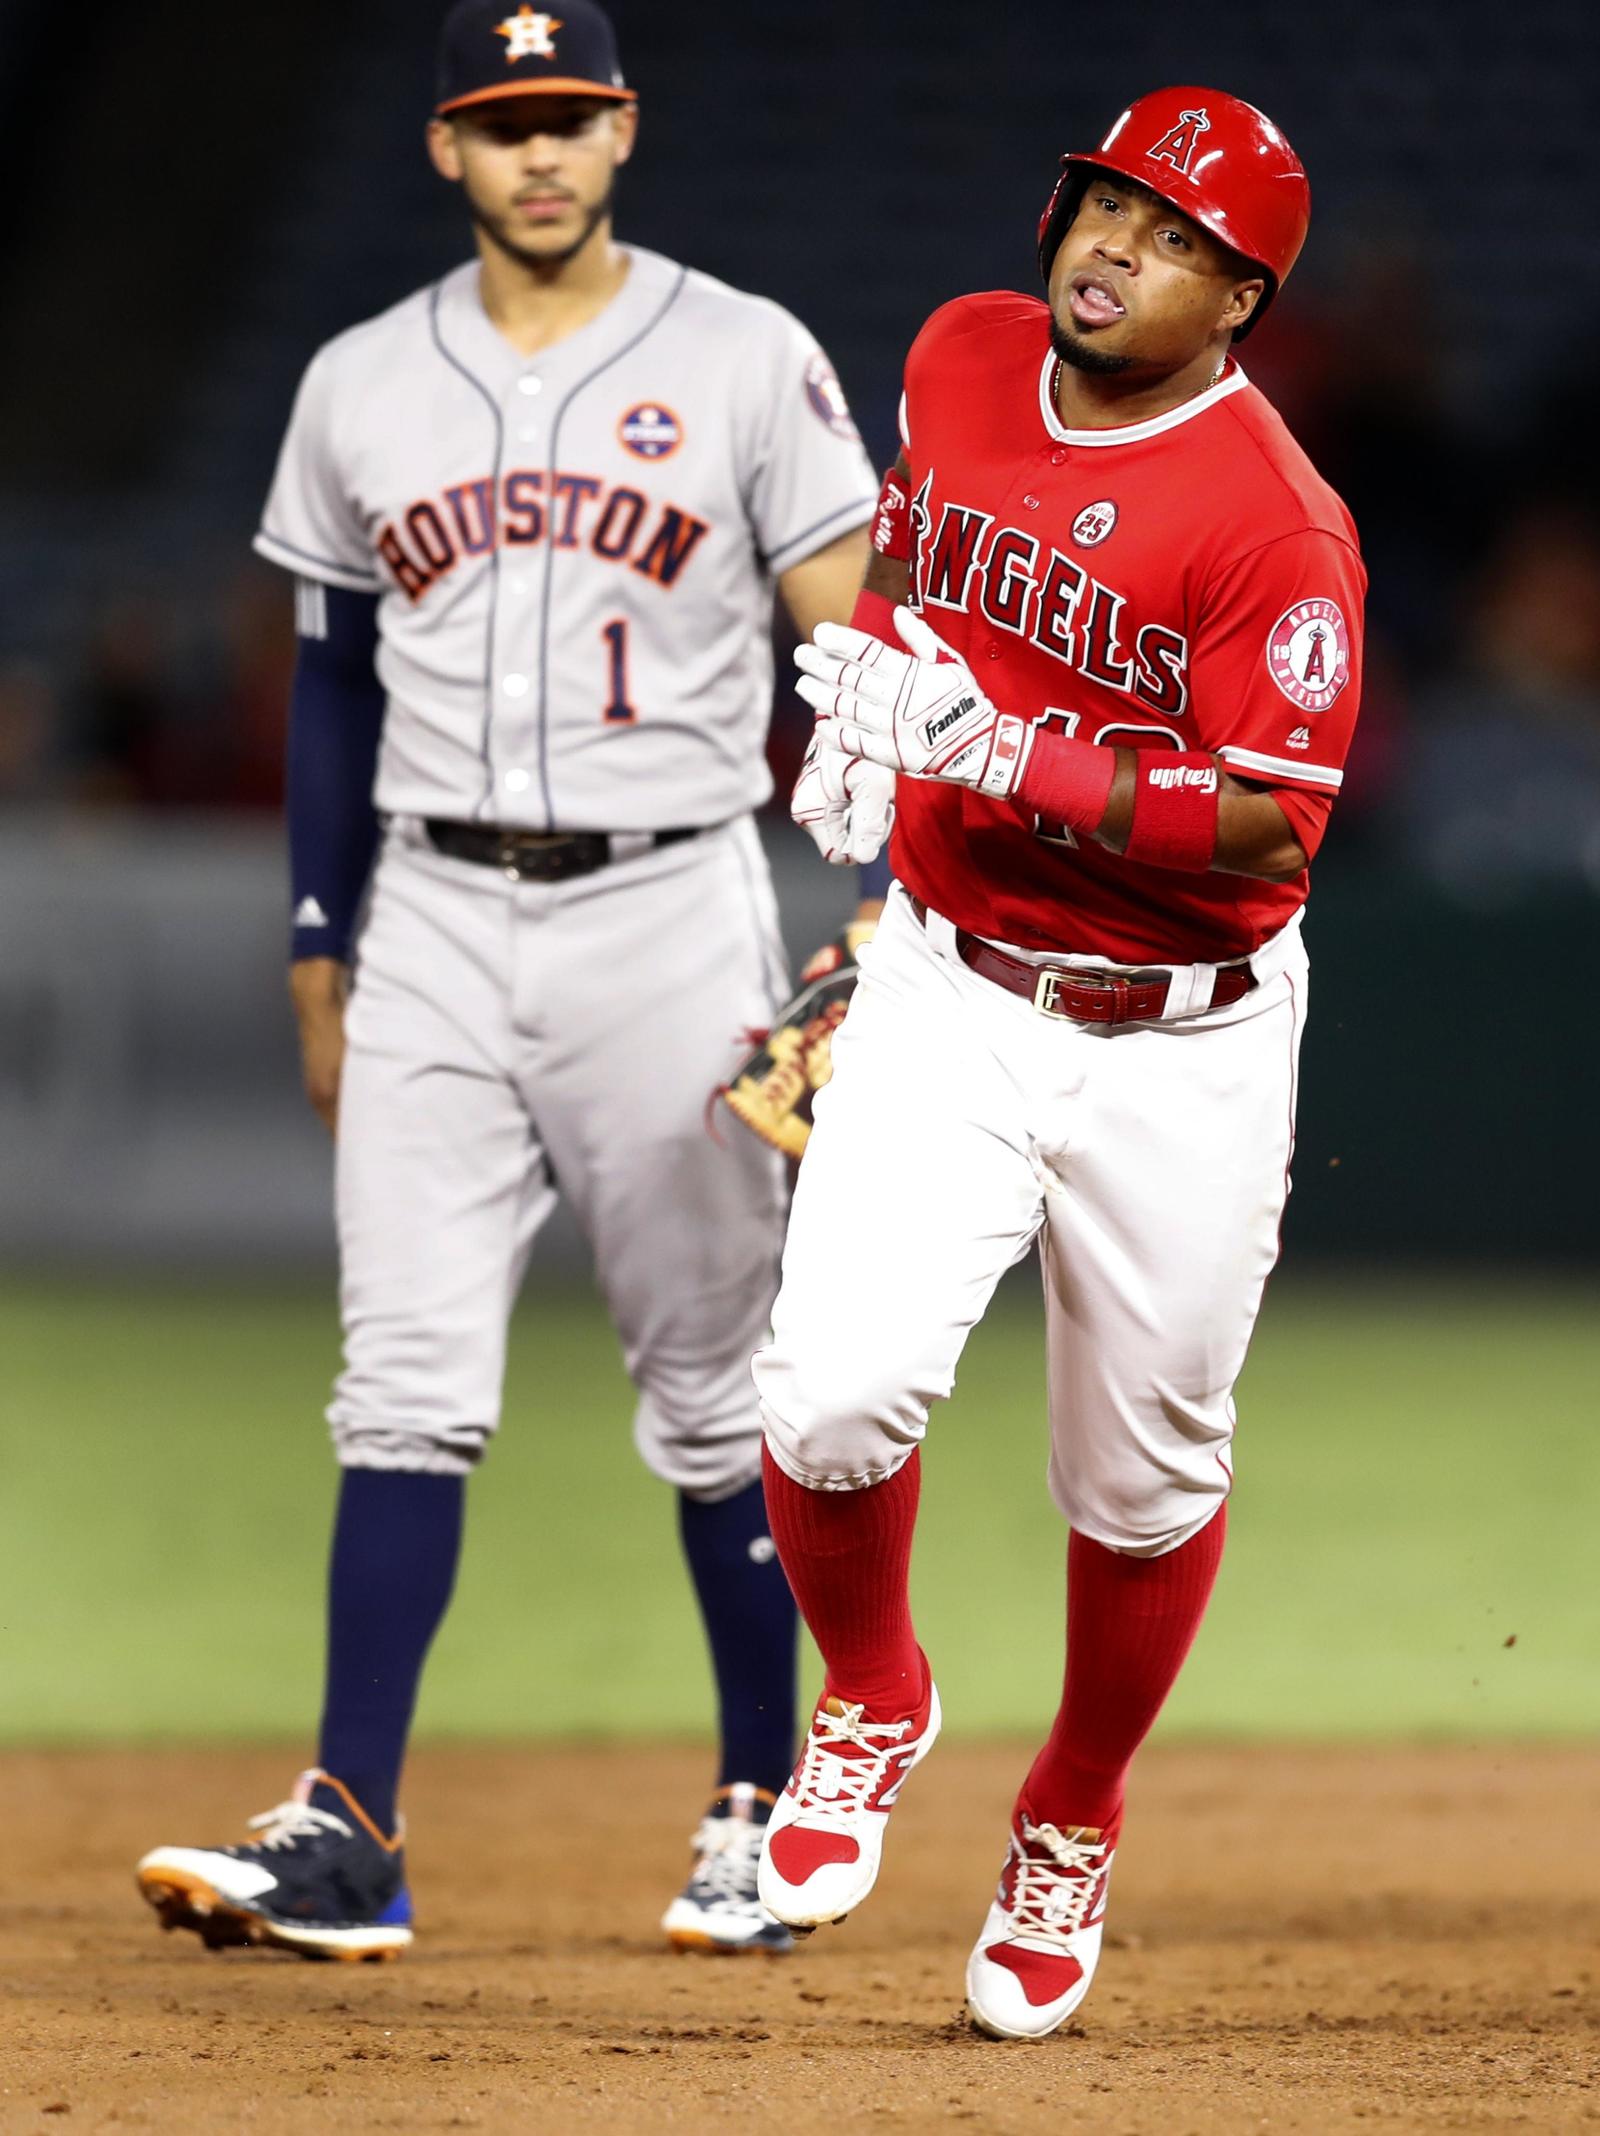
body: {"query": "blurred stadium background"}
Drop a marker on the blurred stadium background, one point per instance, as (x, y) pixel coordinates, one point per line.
(205, 195)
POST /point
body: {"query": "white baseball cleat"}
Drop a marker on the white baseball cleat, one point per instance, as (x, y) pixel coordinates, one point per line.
(1032, 1965)
(824, 1840)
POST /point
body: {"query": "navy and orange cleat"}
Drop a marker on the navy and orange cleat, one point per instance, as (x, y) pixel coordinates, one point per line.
(1035, 1956)
(719, 1909)
(317, 1883)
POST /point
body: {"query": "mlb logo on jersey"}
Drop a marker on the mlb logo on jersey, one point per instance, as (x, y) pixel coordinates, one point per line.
(1308, 654)
(1094, 523)
(651, 431)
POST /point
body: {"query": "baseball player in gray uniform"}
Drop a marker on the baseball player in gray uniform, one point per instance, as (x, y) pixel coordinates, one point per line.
(535, 514)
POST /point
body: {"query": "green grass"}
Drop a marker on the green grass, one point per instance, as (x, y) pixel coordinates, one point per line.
(1418, 1479)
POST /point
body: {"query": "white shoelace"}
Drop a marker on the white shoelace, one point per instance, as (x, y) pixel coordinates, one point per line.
(847, 1781)
(294, 1820)
(726, 1850)
(1050, 1898)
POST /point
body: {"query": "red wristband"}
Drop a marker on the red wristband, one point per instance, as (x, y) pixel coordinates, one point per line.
(1175, 800)
(891, 523)
(874, 613)
(1065, 781)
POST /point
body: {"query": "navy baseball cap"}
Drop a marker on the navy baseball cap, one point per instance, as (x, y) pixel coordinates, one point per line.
(490, 49)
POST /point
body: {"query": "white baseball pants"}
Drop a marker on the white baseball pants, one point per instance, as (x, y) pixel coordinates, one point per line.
(509, 1042)
(1151, 1164)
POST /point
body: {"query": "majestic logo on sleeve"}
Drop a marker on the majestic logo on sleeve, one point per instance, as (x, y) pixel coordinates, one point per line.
(529, 36)
(651, 431)
(826, 396)
(1094, 523)
(1308, 654)
(1177, 145)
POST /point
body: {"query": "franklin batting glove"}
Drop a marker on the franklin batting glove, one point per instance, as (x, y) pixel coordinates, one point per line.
(920, 711)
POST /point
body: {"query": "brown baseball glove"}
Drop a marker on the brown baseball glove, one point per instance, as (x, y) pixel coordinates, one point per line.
(772, 1088)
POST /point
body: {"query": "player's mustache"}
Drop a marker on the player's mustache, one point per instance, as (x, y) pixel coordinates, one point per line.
(542, 192)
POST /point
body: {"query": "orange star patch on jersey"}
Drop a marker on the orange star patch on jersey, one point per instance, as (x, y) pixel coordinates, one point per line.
(529, 35)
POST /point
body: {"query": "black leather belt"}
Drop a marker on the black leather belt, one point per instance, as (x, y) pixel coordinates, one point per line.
(544, 856)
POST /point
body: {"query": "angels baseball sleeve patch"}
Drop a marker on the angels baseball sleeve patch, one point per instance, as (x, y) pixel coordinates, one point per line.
(1308, 654)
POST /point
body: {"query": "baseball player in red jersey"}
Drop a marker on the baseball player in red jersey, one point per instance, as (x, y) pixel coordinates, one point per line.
(1111, 650)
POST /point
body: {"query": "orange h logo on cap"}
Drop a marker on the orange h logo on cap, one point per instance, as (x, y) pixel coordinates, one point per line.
(528, 35)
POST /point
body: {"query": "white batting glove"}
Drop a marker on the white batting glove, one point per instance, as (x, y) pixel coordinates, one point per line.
(920, 711)
(843, 804)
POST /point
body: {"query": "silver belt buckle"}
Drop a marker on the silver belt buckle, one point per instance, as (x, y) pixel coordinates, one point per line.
(516, 848)
(1047, 990)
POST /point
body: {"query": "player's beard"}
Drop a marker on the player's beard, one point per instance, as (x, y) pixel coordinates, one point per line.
(499, 232)
(1083, 355)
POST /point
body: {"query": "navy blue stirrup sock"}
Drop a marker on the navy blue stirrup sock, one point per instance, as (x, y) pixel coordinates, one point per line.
(752, 1630)
(396, 1540)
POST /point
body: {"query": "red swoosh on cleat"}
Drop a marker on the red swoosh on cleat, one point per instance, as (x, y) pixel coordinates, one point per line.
(797, 1853)
(1043, 1976)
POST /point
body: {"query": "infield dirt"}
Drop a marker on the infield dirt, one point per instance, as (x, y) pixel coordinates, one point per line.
(1298, 1940)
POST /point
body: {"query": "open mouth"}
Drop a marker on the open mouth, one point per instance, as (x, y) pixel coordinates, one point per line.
(1094, 302)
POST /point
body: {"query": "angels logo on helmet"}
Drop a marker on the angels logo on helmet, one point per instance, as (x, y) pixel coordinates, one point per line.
(1177, 145)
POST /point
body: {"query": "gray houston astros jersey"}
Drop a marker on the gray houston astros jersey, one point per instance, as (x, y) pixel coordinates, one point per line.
(575, 549)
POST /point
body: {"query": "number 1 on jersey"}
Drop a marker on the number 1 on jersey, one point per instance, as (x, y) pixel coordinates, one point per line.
(619, 713)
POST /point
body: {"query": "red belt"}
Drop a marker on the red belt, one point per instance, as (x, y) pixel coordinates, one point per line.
(1083, 994)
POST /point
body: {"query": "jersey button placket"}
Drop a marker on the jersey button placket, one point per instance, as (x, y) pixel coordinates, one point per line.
(515, 781)
(987, 645)
(512, 683)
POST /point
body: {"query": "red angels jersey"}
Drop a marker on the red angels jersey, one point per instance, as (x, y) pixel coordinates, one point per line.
(1186, 583)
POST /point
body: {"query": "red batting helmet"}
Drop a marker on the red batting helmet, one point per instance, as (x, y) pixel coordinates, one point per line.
(1218, 159)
